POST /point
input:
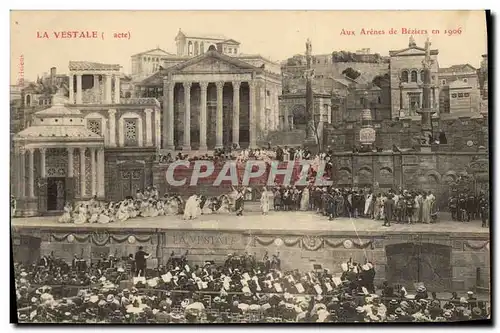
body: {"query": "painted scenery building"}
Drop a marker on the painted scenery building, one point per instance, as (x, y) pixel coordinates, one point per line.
(209, 95)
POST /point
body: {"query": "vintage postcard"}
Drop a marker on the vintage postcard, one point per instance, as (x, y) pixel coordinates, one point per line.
(250, 167)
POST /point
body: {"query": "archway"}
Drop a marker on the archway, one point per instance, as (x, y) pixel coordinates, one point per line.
(299, 117)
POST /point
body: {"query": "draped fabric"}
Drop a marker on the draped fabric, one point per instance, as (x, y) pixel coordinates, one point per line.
(314, 243)
(99, 238)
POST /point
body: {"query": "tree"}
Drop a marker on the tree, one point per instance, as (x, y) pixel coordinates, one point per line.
(351, 73)
(379, 80)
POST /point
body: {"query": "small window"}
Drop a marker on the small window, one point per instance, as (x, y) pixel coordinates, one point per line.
(413, 76)
(453, 95)
(268, 92)
(94, 125)
(466, 94)
(465, 80)
(460, 95)
(443, 82)
(404, 76)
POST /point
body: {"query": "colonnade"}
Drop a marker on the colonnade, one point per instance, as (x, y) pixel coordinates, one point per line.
(109, 98)
(168, 119)
(97, 164)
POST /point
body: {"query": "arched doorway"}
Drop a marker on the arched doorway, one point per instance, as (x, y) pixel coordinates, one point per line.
(409, 263)
(299, 117)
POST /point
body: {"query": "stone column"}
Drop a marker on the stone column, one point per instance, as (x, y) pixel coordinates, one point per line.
(157, 128)
(22, 172)
(112, 127)
(262, 110)
(96, 82)
(78, 89)
(83, 190)
(43, 171)
(203, 115)
(168, 114)
(71, 90)
(219, 118)
(31, 172)
(286, 121)
(236, 113)
(70, 162)
(149, 128)
(100, 173)
(117, 89)
(252, 115)
(107, 90)
(186, 145)
(93, 171)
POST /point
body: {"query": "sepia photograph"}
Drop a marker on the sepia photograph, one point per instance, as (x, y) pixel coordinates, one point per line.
(241, 167)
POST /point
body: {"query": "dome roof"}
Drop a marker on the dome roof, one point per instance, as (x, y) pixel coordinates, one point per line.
(58, 109)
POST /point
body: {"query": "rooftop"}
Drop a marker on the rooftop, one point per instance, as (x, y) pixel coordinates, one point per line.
(461, 68)
(91, 66)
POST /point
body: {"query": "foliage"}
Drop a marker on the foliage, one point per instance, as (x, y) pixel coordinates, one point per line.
(380, 79)
(351, 73)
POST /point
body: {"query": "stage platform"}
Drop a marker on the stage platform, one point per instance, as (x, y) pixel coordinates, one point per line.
(447, 254)
(291, 223)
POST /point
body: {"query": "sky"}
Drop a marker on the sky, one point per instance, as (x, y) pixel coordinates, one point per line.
(273, 34)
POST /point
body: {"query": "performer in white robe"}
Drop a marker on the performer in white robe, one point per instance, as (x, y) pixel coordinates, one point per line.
(264, 201)
(224, 207)
(104, 217)
(171, 207)
(122, 214)
(207, 207)
(382, 211)
(145, 208)
(81, 218)
(160, 206)
(94, 213)
(426, 209)
(132, 211)
(192, 208)
(232, 199)
(369, 205)
(153, 210)
(304, 201)
(66, 216)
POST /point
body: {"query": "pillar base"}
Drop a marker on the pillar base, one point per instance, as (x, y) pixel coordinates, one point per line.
(169, 147)
(425, 149)
(186, 148)
(203, 148)
(219, 146)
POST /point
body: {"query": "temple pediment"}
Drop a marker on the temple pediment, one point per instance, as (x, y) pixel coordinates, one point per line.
(211, 65)
(212, 62)
(411, 51)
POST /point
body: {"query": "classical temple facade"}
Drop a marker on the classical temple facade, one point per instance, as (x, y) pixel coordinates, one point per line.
(215, 100)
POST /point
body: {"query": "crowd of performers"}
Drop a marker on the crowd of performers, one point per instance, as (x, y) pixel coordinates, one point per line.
(241, 289)
(147, 203)
(400, 206)
(465, 206)
(229, 153)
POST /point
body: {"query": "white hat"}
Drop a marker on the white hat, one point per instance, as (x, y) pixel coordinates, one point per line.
(365, 267)
(344, 266)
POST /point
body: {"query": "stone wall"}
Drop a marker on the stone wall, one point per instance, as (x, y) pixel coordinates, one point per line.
(404, 133)
(466, 253)
(416, 170)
